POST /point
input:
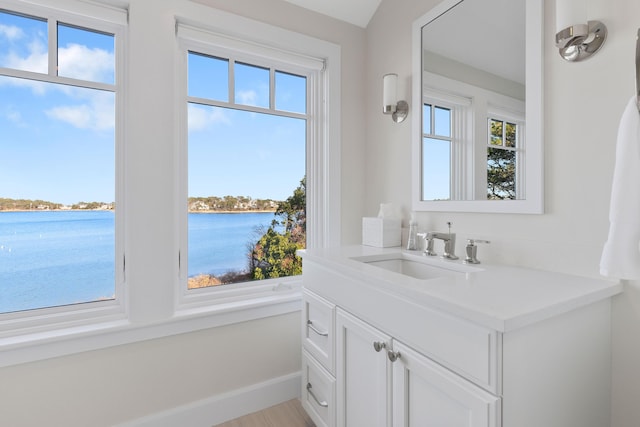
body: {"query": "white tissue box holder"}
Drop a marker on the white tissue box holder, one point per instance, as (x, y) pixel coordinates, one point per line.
(381, 232)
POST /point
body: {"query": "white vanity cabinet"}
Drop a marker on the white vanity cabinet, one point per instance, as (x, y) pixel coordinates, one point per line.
(506, 347)
(382, 382)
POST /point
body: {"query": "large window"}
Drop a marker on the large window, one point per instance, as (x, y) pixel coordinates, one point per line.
(247, 132)
(251, 155)
(58, 92)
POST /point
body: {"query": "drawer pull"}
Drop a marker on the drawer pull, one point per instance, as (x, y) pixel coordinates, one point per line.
(323, 403)
(316, 330)
(393, 355)
(379, 345)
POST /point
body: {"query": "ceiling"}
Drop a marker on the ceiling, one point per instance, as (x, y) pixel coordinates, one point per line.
(357, 12)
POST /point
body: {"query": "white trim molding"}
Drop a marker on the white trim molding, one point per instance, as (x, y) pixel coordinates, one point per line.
(227, 406)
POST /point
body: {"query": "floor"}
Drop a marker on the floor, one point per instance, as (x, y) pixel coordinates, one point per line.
(287, 414)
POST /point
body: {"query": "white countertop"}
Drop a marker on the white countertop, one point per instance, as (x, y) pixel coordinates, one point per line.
(500, 297)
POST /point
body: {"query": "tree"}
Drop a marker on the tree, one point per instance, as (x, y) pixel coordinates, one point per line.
(274, 255)
(501, 174)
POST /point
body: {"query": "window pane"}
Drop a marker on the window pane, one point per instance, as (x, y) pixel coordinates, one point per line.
(291, 93)
(510, 134)
(426, 119)
(241, 166)
(436, 169)
(86, 54)
(442, 122)
(57, 181)
(501, 174)
(495, 132)
(252, 85)
(23, 43)
(208, 77)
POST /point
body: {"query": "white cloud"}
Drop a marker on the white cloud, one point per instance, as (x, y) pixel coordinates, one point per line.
(37, 60)
(201, 118)
(11, 32)
(81, 62)
(13, 115)
(97, 113)
(247, 97)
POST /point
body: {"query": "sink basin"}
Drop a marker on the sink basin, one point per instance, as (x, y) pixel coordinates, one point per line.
(416, 266)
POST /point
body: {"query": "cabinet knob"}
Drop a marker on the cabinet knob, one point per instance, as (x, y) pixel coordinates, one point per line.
(393, 355)
(379, 345)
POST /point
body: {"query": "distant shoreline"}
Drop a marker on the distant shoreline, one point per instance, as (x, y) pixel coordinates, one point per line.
(234, 212)
(111, 210)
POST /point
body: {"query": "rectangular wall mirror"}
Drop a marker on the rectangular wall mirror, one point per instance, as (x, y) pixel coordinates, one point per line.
(477, 107)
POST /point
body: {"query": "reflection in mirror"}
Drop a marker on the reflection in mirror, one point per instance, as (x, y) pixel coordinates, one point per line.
(477, 121)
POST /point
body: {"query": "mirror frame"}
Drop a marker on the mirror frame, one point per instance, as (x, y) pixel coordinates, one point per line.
(534, 134)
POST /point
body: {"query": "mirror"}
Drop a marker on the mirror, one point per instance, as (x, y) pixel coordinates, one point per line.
(477, 107)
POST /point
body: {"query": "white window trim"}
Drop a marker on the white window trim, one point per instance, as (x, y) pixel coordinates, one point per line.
(86, 331)
(473, 104)
(517, 117)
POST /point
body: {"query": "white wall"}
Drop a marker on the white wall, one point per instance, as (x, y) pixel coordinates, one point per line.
(114, 385)
(583, 104)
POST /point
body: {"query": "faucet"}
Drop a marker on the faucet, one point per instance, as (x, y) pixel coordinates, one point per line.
(449, 239)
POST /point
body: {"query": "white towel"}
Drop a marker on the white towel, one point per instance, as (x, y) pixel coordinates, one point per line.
(621, 253)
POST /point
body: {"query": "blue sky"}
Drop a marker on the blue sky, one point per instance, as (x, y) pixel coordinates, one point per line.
(57, 142)
(240, 153)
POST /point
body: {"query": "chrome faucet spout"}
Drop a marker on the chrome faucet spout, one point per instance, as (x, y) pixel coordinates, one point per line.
(449, 240)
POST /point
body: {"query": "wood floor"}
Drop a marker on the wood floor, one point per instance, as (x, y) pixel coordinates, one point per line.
(287, 414)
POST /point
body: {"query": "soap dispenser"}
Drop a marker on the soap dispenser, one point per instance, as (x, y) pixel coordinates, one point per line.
(413, 231)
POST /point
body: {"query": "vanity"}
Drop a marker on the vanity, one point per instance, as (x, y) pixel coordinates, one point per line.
(394, 338)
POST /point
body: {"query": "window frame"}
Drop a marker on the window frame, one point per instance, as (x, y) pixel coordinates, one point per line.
(462, 149)
(53, 334)
(99, 19)
(204, 41)
(472, 106)
(506, 115)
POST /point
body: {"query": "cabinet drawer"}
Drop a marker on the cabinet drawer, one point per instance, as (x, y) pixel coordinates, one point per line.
(318, 329)
(468, 349)
(318, 392)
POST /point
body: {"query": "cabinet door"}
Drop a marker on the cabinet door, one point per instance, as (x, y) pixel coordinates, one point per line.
(427, 395)
(362, 374)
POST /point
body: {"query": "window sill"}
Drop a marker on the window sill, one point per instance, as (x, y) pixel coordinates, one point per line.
(32, 347)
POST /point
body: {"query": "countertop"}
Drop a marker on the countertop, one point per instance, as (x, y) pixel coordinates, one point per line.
(499, 297)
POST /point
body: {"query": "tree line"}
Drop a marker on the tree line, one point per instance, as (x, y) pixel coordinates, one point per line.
(272, 253)
(7, 204)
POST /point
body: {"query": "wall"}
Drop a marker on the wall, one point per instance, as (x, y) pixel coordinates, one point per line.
(582, 103)
(114, 385)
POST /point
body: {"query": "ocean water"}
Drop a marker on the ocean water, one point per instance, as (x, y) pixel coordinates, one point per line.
(53, 258)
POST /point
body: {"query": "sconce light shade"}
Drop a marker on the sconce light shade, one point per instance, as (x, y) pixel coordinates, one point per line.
(390, 104)
(576, 37)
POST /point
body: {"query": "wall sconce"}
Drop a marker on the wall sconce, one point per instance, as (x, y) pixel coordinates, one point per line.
(390, 103)
(576, 37)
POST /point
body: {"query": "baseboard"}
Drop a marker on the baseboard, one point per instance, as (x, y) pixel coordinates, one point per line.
(220, 408)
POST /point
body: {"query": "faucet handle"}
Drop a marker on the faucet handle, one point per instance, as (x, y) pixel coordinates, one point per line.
(472, 250)
(473, 241)
(428, 249)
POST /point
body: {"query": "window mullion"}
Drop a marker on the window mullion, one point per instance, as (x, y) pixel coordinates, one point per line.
(52, 27)
(232, 81)
(272, 89)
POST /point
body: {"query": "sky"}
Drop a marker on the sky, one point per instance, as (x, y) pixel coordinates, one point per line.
(57, 141)
(241, 153)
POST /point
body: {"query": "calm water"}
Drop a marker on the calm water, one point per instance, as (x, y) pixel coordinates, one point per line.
(61, 257)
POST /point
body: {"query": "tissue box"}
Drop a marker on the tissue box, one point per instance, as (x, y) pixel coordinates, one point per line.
(381, 232)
